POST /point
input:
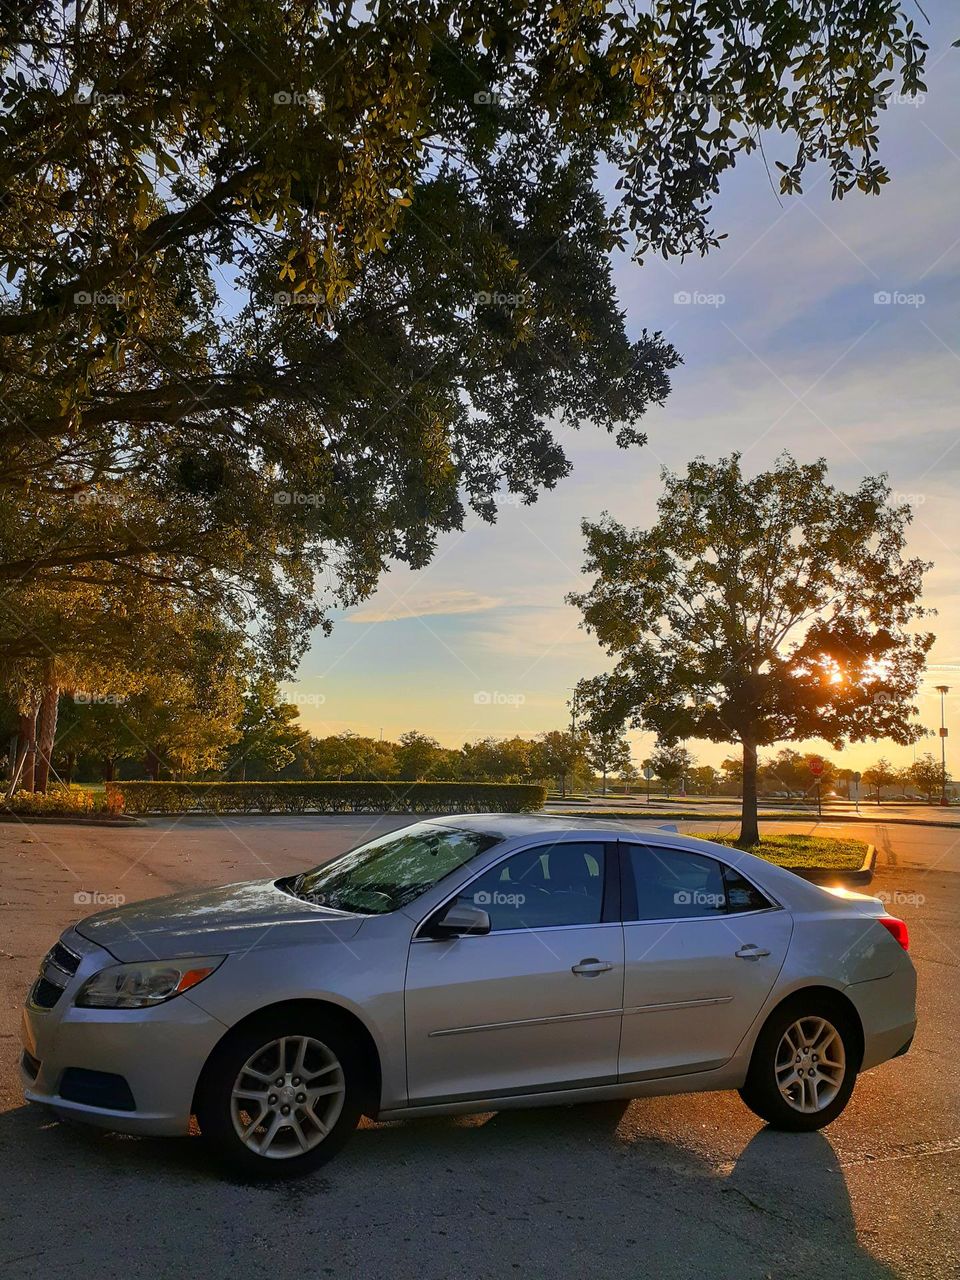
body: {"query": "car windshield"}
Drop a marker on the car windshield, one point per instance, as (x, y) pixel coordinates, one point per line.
(391, 871)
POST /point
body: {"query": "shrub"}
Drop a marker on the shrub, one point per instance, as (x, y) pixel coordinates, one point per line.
(327, 797)
(67, 802)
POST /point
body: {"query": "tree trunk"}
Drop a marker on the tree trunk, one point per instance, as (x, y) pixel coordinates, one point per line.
(153, 765)
(71, 760)
(604, 782)
(109, 768)
(749, 829)
(46, 728)
(26, 752)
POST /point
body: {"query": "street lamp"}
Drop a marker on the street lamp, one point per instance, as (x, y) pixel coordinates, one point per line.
(943, 690)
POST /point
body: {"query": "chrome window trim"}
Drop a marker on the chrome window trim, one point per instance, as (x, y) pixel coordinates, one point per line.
(716, 915)
(534, 844)
(546, 928)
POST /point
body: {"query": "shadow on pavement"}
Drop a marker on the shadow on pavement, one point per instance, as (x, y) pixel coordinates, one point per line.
(588, 1191)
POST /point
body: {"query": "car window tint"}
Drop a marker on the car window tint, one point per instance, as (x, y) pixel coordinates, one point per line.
(674, 885)
(741, 894)
(543, 887)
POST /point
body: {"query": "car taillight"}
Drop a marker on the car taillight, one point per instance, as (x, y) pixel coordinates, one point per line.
(896, 927)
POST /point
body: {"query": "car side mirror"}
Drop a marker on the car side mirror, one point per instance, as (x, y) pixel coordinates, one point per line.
(457, 920)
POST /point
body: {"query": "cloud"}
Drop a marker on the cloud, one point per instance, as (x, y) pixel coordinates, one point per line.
(423, 605)
(541, 633)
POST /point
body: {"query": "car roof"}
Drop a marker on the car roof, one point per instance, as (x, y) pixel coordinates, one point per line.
(511, 825)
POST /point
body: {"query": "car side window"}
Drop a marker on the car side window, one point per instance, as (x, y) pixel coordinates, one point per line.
(674, 885)
(741, 894)
(560, 884)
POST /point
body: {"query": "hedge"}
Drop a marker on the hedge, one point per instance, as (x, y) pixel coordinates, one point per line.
(328, 797)
(67, 802)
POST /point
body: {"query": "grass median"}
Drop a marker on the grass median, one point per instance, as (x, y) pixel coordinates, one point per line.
(791, 851)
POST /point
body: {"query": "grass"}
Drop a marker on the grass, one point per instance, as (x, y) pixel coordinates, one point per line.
(801, 851)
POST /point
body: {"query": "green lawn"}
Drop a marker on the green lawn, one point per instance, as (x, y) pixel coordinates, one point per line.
(801, 851)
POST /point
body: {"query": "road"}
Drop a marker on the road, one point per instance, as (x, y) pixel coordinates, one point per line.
(665, 1188)
(833, 810)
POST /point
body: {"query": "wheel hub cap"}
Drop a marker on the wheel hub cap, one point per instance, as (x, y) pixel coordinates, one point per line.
(287, 1097)
(810, 1064)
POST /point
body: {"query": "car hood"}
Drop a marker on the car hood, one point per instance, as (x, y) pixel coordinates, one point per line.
(231, 917)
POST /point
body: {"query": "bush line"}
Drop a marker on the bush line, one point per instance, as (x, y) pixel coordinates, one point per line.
(328, 797)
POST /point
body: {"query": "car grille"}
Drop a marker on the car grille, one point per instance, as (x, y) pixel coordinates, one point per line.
(64, 959)
(59, 966)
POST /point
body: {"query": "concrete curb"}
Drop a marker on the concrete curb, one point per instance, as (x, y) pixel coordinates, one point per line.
(66, 820)
(826, 875)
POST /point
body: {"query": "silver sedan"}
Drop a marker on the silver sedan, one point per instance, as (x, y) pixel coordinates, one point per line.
(467, 964)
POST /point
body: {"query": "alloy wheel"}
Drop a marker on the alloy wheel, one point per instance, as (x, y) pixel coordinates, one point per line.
(810, 1064)
(287, 1097)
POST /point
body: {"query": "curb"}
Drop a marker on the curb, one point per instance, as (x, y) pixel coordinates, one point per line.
(823, 875)
(66, 820)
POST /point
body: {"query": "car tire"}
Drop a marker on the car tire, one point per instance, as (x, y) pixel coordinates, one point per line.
(280, 1095)
(804, 1065)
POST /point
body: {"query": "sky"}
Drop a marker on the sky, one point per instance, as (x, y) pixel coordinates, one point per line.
(786, 345)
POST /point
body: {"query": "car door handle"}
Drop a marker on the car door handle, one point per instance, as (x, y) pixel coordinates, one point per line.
(591, 965)
(750, 951)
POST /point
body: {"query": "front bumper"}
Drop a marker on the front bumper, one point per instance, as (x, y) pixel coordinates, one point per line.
(160, 1052)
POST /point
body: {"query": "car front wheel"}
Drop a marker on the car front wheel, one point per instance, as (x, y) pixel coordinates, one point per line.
(804, 1066)
(280, 1097)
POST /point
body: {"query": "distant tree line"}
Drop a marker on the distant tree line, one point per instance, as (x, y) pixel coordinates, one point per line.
(788, 774)
(237, 726)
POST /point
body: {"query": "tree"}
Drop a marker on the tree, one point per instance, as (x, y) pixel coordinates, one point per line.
(704, 780)
(336, 755)
(96, 726)
(670, 764)
(352, 756)
(732, 771)
(496, 760)
(756, 611)
(880, 775)
(418, 756)
(847, 777)
(629, 775)
(181, 729)
(608, 751)
(268, 738)
(791, 770)
(559, 754)
(420, 262)
(926, 774)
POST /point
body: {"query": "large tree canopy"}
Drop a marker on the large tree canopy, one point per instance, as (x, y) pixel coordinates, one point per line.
(290, 285)
(756, 610)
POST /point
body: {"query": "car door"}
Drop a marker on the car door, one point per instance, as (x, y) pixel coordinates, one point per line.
(703, 946)
(534, 1004)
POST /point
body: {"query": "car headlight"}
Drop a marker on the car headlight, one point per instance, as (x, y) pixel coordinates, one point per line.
(139, 985)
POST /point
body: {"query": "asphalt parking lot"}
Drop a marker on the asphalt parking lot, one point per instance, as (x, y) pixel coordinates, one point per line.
(673, 1187)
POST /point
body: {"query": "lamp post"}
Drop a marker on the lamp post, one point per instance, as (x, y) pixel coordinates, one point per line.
(943, 690)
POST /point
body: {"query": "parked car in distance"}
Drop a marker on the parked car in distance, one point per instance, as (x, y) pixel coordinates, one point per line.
(467, 964)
